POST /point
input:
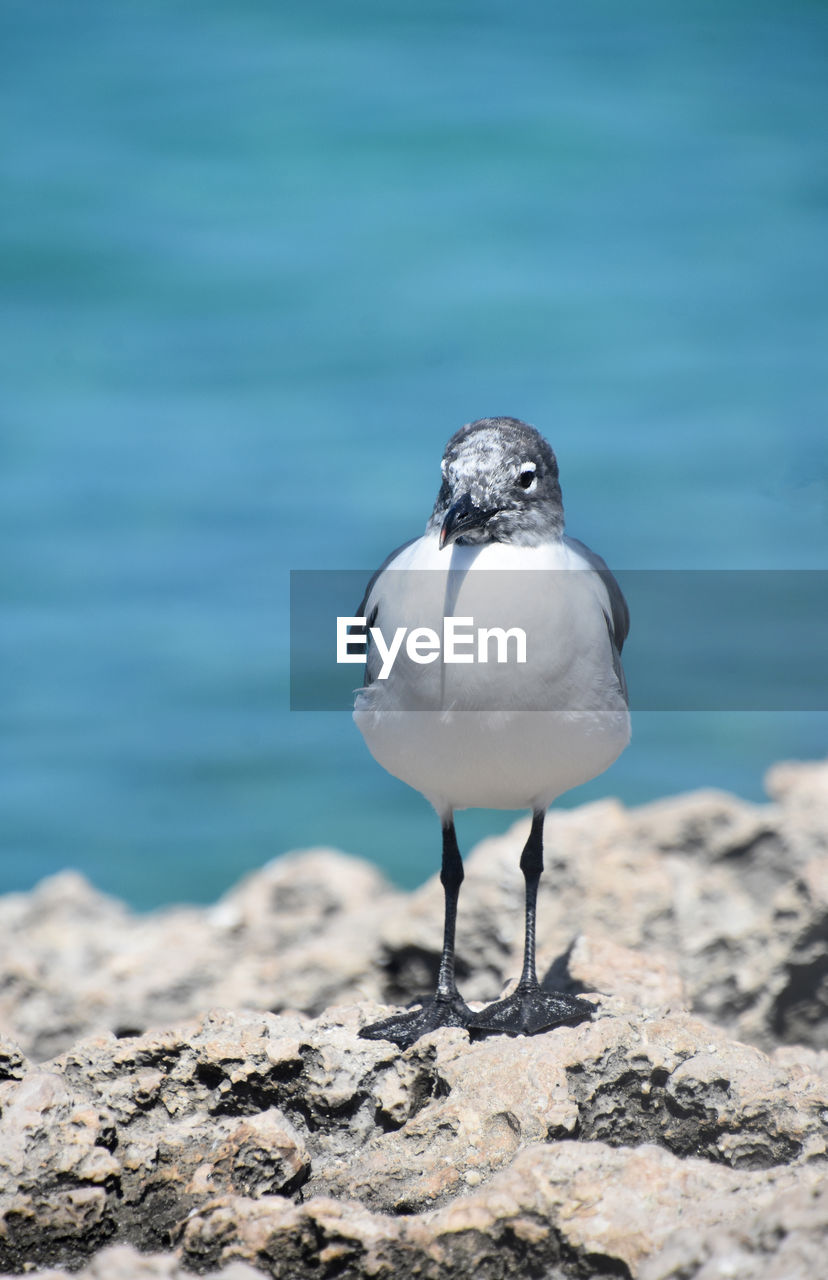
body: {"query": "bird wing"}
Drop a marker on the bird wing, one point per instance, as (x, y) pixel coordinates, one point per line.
(618, 619)
(371, 660)
(360, 613)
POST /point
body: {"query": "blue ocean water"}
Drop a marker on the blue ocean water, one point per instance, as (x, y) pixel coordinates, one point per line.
(259, 261)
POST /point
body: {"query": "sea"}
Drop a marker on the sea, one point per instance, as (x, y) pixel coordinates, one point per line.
(259, 261)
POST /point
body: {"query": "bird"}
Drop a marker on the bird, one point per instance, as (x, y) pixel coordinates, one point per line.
(471, 732)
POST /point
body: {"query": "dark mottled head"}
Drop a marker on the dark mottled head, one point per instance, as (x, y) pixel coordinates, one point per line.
(500, 484)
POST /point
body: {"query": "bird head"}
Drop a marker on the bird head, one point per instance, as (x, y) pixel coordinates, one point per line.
(500, 484)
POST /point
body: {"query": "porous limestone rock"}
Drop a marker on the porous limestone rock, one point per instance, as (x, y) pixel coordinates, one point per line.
(681, 1134)
(280, 1141)
(732, 897)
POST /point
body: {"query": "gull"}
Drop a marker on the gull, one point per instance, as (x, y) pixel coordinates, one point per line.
(470, 731)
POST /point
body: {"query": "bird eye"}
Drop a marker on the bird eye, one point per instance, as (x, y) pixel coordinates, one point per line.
(527, 475)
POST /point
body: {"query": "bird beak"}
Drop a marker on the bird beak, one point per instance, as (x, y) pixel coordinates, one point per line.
(461, 516)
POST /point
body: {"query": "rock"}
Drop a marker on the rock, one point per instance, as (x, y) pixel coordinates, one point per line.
(559, 1210)
(681, 1134)
(123, 1262)
(731, 897)
(646, 980)
(273, 1139)
(12, 1063)
(781, 1239)
(300, 933)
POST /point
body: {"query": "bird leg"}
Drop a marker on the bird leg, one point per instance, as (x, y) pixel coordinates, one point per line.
(446, 1008)
(528, 1009)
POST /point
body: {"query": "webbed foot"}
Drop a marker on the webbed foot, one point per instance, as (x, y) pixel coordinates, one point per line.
(404, 1028)
(527, 1012)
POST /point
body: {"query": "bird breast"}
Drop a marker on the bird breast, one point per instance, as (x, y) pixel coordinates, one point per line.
(495, 734)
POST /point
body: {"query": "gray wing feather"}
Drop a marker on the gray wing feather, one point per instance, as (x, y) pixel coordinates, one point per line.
(371, 662)
(360, 613)
(618, 621)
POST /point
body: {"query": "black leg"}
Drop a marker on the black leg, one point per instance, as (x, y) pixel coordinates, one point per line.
(451, 878)
(446, 1008)
(529, 1010)
(531, 864)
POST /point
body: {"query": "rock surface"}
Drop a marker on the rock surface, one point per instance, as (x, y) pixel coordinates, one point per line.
(731, 897)
(651, 1142)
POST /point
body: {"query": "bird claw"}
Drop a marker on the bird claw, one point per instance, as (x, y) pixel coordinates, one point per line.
(528, 1012)
(405, 1028)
